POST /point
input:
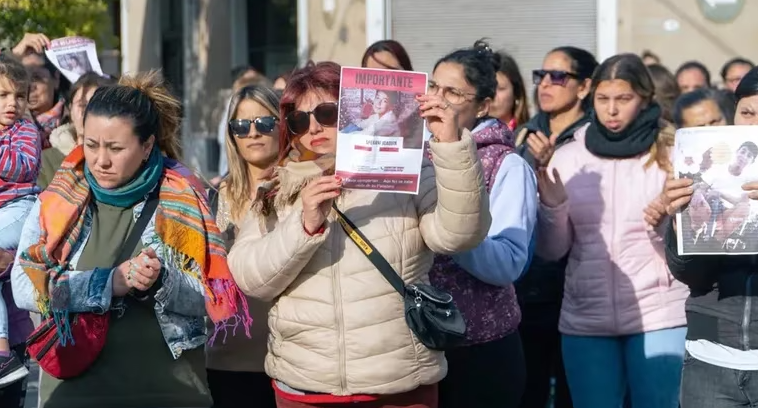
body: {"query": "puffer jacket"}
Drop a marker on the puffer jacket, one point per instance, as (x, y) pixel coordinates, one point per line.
(617, 280)
(337, 326)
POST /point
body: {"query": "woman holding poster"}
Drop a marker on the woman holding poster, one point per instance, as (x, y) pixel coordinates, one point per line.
(489, 370)
(722, 337)
(338, 331)
(622, 319)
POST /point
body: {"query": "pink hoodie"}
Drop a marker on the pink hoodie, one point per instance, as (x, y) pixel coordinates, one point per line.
(617, 280)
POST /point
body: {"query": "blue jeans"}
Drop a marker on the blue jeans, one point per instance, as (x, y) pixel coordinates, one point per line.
(12, 218)
(600, 370)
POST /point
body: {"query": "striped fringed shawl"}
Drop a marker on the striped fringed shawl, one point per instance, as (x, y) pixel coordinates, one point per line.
(183, 223)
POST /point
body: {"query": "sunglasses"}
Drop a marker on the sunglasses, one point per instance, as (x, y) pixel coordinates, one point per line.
(241, 127)
(557, 77)
(325, 114)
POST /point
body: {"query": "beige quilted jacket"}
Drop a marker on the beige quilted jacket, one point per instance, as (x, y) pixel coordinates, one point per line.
(337, 326)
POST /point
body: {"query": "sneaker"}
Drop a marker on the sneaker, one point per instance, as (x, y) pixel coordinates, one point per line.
(11, 370)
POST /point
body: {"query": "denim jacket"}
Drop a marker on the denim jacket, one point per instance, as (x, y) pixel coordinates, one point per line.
(179, 303)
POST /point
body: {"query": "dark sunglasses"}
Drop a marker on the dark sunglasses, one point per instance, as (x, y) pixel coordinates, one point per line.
(241, 127)
(325, 114)
(557, 77)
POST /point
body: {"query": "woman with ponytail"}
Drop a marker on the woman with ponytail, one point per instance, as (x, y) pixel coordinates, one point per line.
(488, 370)
(86, 249)
(622, 319)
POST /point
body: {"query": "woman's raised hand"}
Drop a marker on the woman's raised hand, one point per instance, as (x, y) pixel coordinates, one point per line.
(677, 193)
(317, 197)
(441, 118)
(552, 193)
(138, 273)
(32, 42)
(541, 147)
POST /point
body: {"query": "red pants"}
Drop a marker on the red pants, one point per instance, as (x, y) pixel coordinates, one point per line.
(422, 397)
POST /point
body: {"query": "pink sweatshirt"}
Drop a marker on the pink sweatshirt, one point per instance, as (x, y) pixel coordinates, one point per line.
(617, 280)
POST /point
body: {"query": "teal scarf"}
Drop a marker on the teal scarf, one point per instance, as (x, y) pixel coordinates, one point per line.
(144, 181)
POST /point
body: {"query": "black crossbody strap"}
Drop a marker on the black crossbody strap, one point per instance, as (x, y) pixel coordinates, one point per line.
(135, 235)
(139, 227)
(370, 251)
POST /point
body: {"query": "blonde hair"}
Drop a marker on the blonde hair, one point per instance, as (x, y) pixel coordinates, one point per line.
(237, 184)
(660, 151)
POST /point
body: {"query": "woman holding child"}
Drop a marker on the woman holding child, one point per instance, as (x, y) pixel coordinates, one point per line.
(157, 292)
(19, 165)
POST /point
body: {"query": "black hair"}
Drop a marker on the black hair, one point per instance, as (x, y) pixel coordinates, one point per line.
(728, 104)
(146, 102)
(732, 62)
(480, 66)
(393, 47)
(698, 66)
(239, 71)
(88, 81)
(583, 65)
(690, 99)
(748, 85)
(63, 83)
(751, 147)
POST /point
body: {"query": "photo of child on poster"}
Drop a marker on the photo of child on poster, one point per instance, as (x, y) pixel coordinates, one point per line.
(382, 113)
(76, 62)
(720, 218)
(381, 134)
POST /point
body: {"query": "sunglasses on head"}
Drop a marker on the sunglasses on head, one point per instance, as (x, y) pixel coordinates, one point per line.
(325, 114)
(241, 127)
(557, 77)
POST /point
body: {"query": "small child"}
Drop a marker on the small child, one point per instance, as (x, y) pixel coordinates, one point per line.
(19, 165)
(384, 121)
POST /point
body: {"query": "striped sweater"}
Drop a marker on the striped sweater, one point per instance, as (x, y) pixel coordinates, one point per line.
(19, 161)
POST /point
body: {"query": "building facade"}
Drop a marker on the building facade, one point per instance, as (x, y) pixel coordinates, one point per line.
(197, 42)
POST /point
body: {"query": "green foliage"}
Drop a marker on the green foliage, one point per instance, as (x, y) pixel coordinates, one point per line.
(55, 18)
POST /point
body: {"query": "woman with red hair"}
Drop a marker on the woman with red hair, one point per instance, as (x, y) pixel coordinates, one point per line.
(338, 329)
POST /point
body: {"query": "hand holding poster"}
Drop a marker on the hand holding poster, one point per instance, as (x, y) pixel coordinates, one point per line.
(380, 142)
(720, 218)
(74, 56)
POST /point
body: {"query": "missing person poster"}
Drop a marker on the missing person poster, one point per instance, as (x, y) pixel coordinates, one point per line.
(720, 218)
(74, 56)
(381, 134)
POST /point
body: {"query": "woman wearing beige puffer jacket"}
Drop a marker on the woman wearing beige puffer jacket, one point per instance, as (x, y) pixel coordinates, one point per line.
(338, 331)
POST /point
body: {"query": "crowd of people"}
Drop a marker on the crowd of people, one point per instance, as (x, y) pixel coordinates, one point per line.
(551, 230)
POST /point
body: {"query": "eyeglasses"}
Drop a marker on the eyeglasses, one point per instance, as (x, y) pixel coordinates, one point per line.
(325, 114)
(453, 95)
(241, 127)
(557, 77)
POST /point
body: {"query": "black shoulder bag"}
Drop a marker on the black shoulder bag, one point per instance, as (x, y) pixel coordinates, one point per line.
(430, 313)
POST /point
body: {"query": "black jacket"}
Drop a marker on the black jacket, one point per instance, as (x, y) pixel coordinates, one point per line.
(723, 302)
(543, 282)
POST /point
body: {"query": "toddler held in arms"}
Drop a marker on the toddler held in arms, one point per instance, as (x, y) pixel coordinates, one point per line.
(19, 166)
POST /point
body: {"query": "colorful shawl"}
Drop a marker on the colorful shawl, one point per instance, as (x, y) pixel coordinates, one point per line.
(183, 223)
(48, 121)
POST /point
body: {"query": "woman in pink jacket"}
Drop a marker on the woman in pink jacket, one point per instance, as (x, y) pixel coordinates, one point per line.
(622, 318)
